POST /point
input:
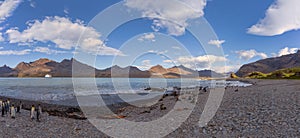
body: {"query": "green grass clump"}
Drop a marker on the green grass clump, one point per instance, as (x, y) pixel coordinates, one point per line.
(289, 73)
(256, 75)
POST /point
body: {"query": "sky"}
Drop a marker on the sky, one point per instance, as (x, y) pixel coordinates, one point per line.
(199, 34)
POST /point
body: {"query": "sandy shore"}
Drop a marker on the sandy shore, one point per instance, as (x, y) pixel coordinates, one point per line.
(269, 108)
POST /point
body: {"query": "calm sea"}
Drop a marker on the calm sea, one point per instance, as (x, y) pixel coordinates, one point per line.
(58, 89)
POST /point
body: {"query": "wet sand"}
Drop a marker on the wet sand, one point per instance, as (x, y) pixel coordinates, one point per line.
(269, 108)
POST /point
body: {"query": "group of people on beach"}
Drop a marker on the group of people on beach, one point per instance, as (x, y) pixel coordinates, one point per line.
(9, 109)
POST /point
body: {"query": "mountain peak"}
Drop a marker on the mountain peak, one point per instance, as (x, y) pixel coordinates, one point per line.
(116, 66)
(41, 61)
(6, 71)
(5, 66)
(158, 69)
(157, 66)
(180, 66)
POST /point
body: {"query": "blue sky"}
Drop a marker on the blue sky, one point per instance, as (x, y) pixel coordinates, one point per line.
(245, 31)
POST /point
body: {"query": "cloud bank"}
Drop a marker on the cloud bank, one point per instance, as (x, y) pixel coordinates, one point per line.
(169, 14)
(7, 7)
(15, 52)
(286, 51)
(282, 16)
(147, 37)
(217, 43)
(249, 54)
(62, 32)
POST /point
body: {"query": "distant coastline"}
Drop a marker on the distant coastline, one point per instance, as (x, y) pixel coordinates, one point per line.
(42, 67)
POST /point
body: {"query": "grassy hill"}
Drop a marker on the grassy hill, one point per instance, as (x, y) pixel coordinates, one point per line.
(270, 64)
(290, 73)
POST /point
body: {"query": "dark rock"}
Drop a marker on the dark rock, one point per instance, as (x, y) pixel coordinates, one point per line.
(147, 89)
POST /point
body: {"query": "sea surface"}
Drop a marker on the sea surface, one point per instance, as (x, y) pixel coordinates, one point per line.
(58, 89)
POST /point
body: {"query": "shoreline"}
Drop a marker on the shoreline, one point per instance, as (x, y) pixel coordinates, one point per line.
(74, 111)
(51, 109)
(268, 108)
(69, 108)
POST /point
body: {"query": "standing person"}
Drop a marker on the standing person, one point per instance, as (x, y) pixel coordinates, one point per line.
(12, 112)
(19, 107)
(38, 113)
(32, 112)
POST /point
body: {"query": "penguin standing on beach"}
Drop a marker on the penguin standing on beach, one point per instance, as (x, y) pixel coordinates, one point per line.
(19, 107)
(8, 105)
(12, 112)
(32, 112)
(2, 110)
(38, 113)
(1, 104)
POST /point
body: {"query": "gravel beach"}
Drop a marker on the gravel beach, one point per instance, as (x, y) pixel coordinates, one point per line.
(268, 108)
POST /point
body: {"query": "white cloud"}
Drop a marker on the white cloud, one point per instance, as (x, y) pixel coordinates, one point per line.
(262, 55)
(1, 37)
(232, 68)
(200, 62)
(168, 61)
(15, 52)
(1, 47)
(176, 47)
(282, 16)
(104, 50)
(170, 15)
(286, 51)
(32, 3)
(217, 43)
(66, 11)
(62, 32)
(226, 68)
(145, 65)
(212, 62)
(147, 37)
(7, 7)
(158, 52)
(48, 51)
(249, 54)
(146, 62)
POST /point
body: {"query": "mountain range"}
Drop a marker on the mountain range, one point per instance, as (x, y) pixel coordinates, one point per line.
(270, 64)
(65, 68)
(43, 66)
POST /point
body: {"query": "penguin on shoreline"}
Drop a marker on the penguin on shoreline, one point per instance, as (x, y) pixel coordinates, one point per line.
(19, 107)
(8, 105)
(12, 112)
(38, 112)
(32, 112)
(2, 109)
